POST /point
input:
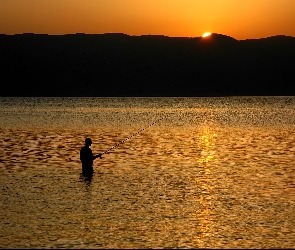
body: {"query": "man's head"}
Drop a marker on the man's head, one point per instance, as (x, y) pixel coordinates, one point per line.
(88, 142)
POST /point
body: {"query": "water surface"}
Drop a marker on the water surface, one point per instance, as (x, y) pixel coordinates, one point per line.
(211, 173)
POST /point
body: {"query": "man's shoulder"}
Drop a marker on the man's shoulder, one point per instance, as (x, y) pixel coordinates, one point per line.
(85, 148)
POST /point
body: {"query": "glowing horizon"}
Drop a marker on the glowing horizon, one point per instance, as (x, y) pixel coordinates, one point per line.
(206, 34)
(178, 18)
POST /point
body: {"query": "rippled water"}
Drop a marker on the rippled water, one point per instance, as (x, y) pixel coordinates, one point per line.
(211, 173)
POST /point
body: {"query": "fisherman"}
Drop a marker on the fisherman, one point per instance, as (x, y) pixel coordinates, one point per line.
(87, 158)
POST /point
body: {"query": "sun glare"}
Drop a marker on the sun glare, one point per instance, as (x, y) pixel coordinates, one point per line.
(206, 34)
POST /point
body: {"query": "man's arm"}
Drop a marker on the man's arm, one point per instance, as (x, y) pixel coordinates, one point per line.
(96, 156)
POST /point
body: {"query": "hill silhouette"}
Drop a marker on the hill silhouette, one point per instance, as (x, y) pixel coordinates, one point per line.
(148, 65)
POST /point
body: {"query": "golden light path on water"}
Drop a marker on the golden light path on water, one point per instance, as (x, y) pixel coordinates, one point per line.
(213, 173)
(207, 155)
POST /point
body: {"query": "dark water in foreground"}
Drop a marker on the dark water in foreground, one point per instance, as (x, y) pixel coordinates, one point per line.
(213, 173)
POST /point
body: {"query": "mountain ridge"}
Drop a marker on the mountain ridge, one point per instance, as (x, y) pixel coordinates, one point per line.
(117, 64)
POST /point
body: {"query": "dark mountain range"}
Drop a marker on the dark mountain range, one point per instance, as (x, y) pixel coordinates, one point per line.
(149, 65)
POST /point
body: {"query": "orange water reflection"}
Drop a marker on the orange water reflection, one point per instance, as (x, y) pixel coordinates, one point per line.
(202, 178)
(206, 144)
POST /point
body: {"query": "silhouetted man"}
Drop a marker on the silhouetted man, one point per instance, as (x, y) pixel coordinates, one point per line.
(87, 158)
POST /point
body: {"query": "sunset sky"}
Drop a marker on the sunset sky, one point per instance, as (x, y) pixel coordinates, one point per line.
(183, 18)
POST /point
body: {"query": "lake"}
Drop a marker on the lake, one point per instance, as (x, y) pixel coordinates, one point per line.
(202, 173)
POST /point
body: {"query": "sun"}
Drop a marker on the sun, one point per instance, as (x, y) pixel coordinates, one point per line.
(206, 34)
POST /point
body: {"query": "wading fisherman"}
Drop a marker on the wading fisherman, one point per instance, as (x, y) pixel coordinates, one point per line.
(87, 158)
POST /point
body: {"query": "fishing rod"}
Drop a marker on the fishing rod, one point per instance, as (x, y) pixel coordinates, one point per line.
(121, 142)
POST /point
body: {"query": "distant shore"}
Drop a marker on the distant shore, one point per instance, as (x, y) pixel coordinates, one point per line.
(122, 65)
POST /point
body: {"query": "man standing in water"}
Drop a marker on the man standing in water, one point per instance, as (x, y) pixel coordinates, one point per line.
(87, 158)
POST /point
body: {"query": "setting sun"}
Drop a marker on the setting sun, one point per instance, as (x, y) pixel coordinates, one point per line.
(206, 34)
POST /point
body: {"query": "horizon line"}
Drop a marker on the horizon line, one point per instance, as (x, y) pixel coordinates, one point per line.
(157, 35)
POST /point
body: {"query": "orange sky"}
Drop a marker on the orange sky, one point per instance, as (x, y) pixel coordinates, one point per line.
(240, 19)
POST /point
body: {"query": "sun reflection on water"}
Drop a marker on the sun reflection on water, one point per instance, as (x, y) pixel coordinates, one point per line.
(206, 144)
(204, 213)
